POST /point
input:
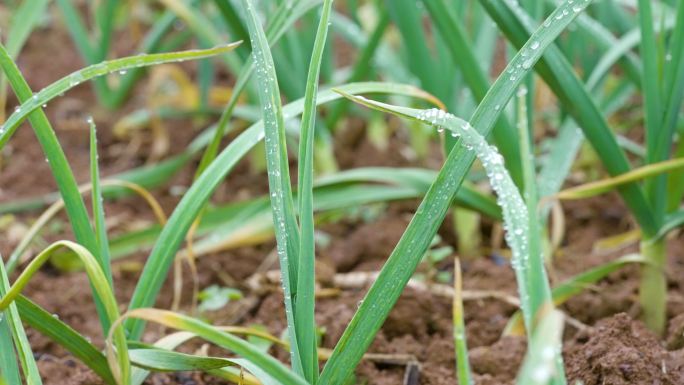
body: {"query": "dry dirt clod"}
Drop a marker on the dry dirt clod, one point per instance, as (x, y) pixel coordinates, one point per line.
(620, 350)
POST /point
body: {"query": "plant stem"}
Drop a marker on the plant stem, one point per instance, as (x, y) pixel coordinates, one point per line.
(653, 289)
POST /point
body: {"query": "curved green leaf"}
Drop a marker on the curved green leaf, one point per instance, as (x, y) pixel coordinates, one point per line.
(62, 334)
(70, 81)
(260, 360)
(101, 285)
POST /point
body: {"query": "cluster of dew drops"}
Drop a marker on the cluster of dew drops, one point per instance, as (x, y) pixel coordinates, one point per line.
(576, 6)
(514, 210)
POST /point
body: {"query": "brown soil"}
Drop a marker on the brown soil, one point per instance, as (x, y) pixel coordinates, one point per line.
(620, 351)
(614, 349)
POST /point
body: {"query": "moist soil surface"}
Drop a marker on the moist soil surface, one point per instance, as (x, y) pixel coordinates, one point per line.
(605, 343)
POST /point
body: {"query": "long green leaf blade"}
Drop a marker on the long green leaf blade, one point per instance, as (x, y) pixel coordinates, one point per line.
(23, 20)
(282, 204)
(98, 209)
(653, 111)
(463, 371)
(9, 367)
(37, 100)
(306, 278)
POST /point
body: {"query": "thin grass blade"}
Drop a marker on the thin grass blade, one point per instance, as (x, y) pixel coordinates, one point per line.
(674, 77)
(605, 185)
(282, 204)
(9, 367)
(306, 278)
(653, 108)
(23, 20)
(98, 207)
(463, 371)
(203, 28)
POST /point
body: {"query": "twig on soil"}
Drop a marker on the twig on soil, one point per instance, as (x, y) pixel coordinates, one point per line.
(264, 282)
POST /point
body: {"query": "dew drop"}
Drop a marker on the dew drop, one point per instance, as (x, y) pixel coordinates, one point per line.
(541, 374)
